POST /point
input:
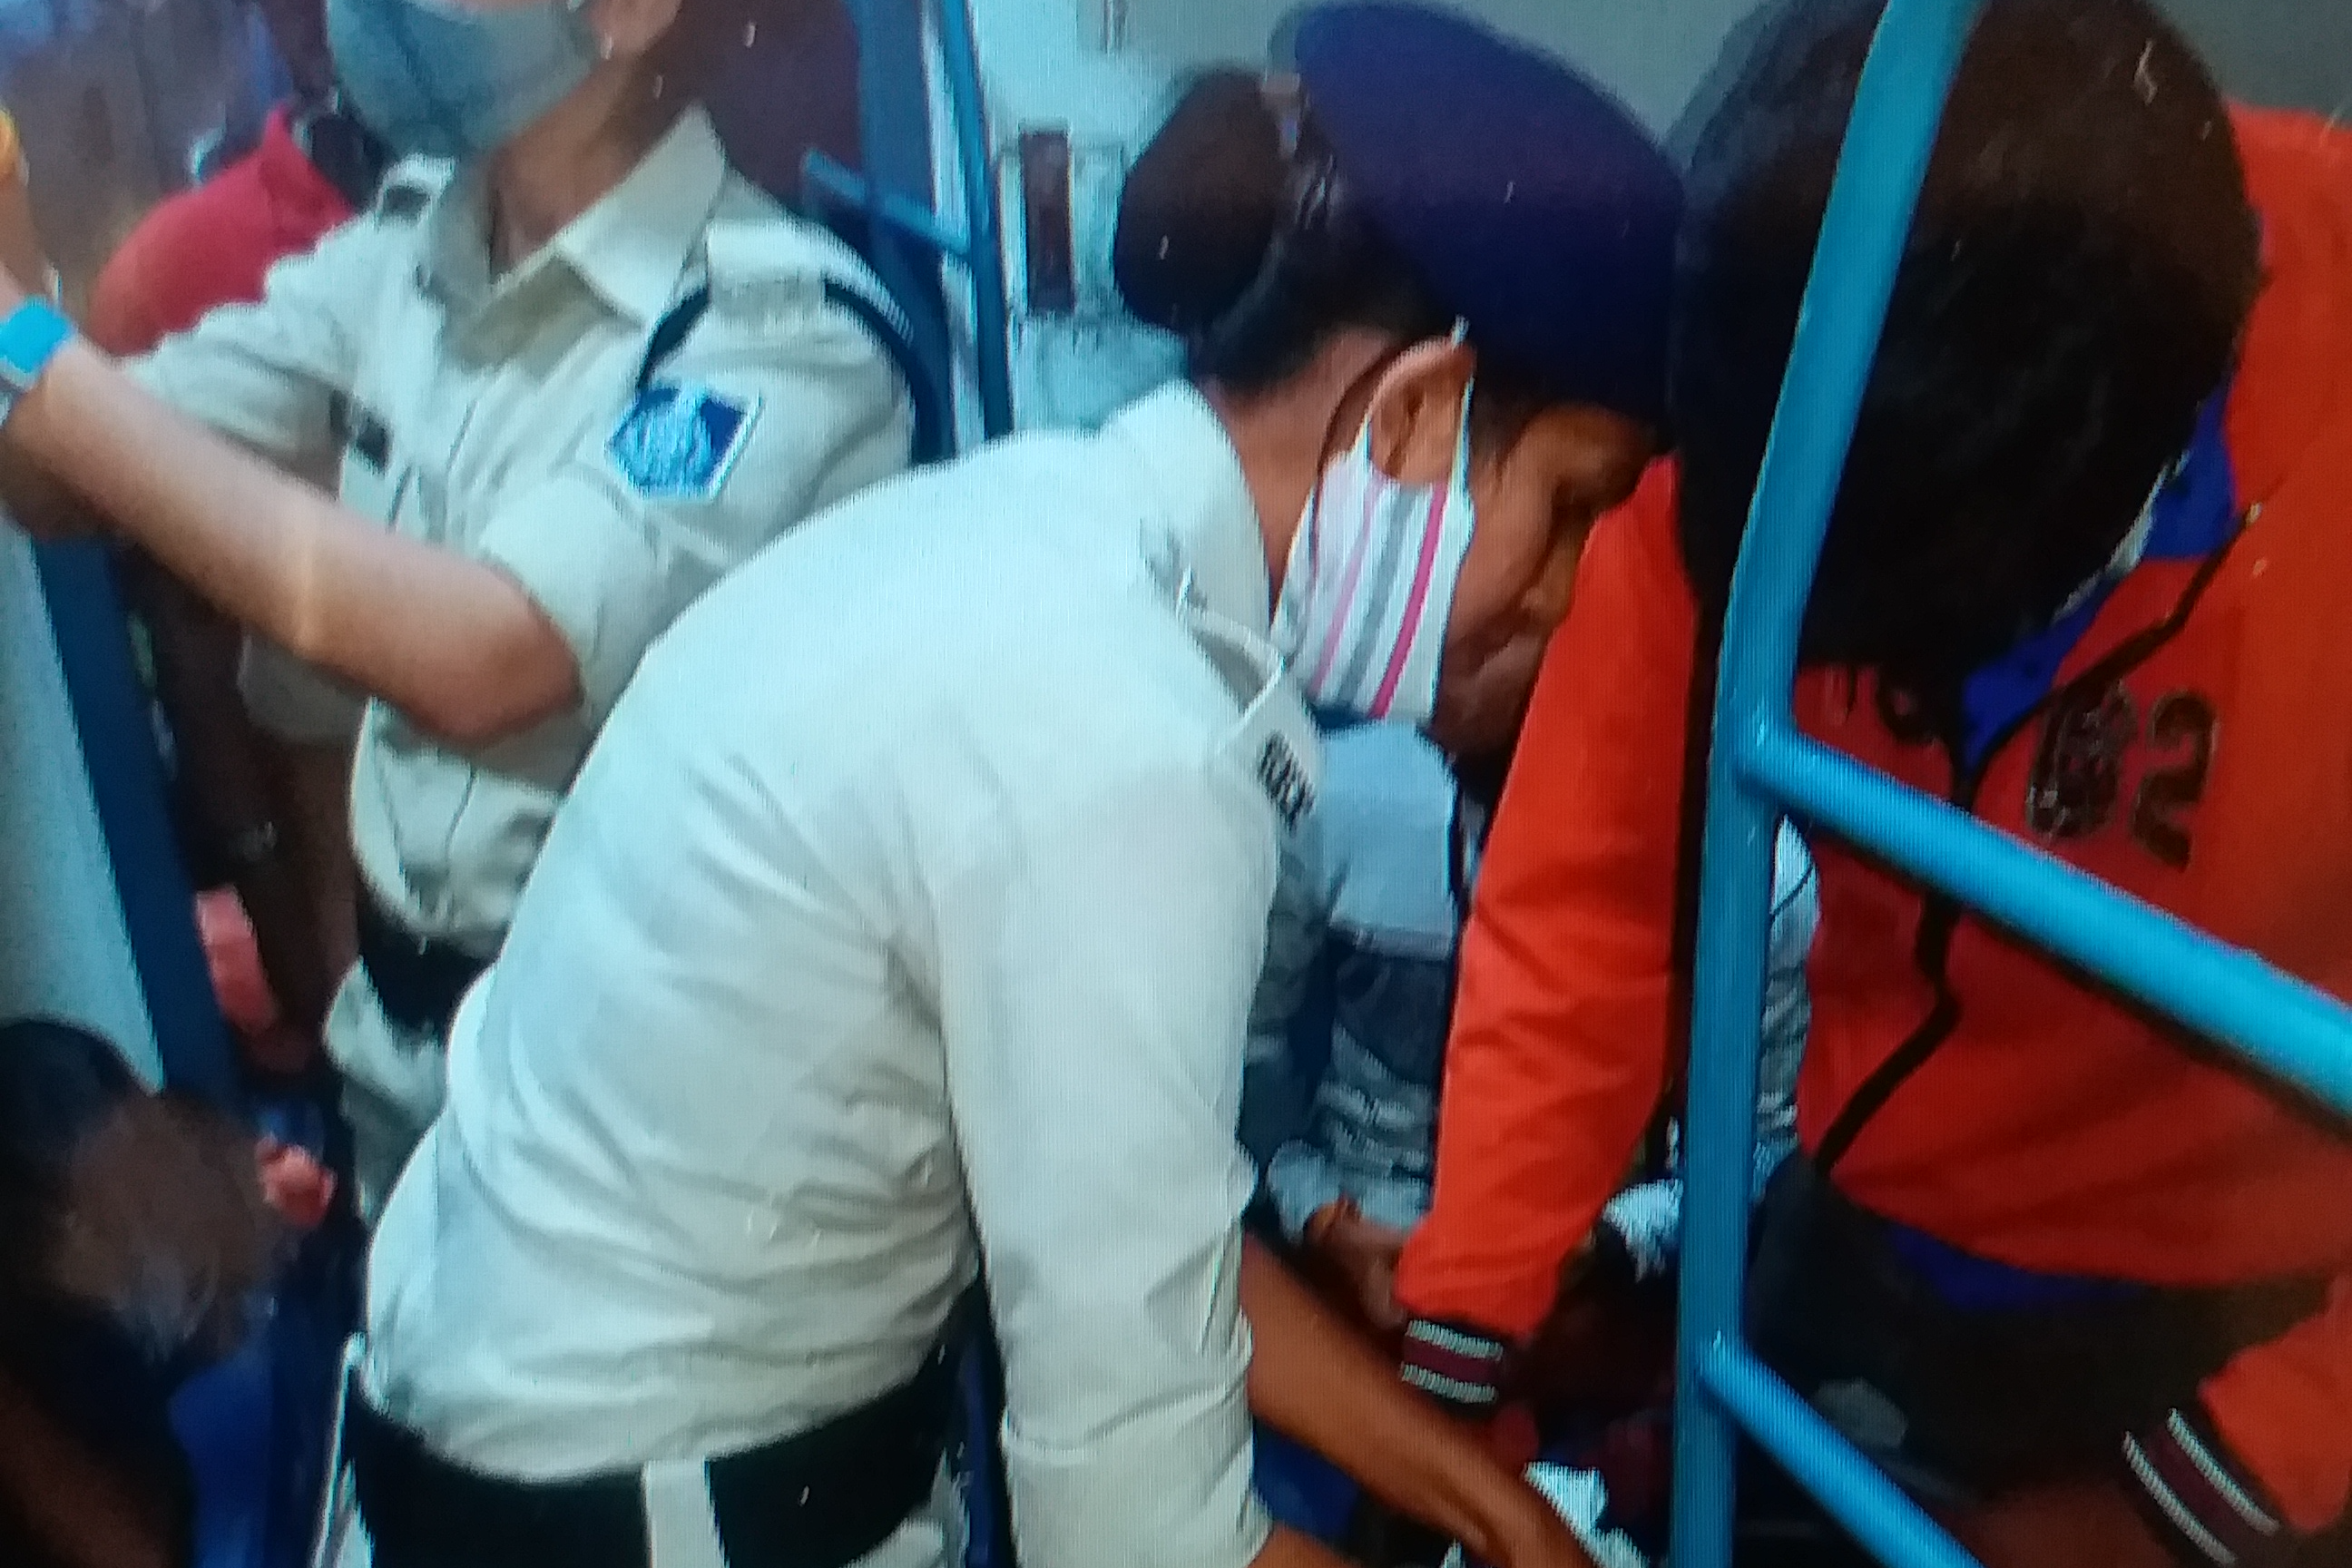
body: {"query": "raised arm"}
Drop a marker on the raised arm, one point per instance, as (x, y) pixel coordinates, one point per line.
(564, 587)
(452, 642)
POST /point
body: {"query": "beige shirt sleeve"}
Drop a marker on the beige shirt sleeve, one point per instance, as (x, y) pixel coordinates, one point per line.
(1095, 983)
(613, 561)
(267, 374)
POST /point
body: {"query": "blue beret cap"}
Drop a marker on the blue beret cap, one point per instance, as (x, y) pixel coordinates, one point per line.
(1534, 205)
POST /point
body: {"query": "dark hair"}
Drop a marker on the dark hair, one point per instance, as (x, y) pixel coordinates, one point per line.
(710, 36)
(2083, 263)
(58, 1085)
(297, 31)
(1255, 253)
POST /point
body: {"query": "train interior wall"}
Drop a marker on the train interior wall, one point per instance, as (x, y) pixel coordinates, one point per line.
(1101, 70)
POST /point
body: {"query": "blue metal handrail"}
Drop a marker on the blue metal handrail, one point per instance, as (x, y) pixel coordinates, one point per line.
(1761, 767)
(109, 709)
(978, 246)
(983, 225)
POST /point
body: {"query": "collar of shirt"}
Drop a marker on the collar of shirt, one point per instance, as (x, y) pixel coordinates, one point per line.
(632, 247)
(1185, 459)
(2194, 511)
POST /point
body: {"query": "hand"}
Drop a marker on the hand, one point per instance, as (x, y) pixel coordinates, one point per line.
(2061, 1527)
(297, 1186)
(1363, 1256)
(1540, 1538)
(1604, 1349)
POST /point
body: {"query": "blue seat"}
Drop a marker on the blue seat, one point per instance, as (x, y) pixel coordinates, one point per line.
(790, 93)
(255, 1427)
(224, 1419)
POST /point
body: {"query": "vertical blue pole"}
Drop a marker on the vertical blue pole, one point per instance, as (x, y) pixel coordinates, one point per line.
(1889, 141)
(983, 230)
(895, 155)
(128, 788)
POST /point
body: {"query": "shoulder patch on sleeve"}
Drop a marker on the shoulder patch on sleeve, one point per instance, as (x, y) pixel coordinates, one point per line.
(681, 442)
(758, 264)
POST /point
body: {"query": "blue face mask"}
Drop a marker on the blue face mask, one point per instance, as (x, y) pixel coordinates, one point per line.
(439, 79)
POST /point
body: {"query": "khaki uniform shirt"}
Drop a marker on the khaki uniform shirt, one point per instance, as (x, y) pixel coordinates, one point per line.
(828, 985)
(501, 417)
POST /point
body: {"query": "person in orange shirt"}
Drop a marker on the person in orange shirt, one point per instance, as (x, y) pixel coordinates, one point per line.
(2083, 1285)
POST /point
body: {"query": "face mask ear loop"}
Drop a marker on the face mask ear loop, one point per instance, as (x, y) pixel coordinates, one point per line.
(1459, 485)
(1325, 449)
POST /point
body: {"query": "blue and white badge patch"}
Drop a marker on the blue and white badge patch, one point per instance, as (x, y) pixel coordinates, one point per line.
(679, 443)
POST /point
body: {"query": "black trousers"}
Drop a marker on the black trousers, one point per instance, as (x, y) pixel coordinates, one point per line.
(1961, 1406)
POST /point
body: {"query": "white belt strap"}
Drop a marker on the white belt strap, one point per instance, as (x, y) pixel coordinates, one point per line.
(339, 1509)
(680, 1529)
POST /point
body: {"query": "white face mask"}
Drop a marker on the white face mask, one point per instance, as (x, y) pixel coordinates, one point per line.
(1370, 587)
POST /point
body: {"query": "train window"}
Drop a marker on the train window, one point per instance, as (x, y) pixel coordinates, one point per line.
(1045, 222)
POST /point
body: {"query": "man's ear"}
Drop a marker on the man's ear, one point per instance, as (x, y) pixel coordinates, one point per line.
(1416, 412)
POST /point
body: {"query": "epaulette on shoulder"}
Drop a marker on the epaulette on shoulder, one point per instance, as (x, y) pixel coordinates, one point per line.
(760, 266)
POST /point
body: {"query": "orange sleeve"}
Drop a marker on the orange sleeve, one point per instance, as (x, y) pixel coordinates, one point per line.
(1558, 1046)
(2284, 1411)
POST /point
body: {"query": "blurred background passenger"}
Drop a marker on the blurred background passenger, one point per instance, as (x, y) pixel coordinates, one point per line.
(140, 1235)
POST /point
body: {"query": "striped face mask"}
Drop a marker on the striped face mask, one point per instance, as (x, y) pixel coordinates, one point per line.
(1371, 582)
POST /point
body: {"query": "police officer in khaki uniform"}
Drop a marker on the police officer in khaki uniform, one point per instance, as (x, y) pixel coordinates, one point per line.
(581, 368)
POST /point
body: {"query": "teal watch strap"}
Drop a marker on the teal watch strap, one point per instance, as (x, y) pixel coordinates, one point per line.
(30, 337)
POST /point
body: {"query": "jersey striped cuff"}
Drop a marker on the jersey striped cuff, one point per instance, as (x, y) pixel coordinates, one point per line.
(1460, 1367)
(2207, 1511)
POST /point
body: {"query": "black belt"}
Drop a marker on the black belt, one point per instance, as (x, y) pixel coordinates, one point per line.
(418, 980)
(822, 1499)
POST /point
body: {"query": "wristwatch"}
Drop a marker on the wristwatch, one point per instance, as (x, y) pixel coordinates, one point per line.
(30, 337)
